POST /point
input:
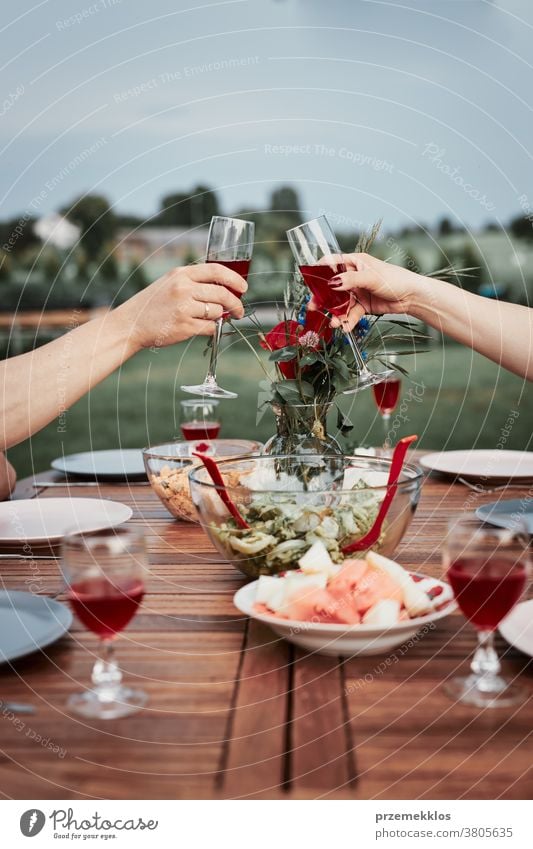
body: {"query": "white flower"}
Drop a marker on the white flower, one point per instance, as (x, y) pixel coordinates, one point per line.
(310, 339)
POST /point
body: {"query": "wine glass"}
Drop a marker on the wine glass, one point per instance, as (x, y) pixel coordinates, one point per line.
(105, 573)
(200, 419)
(488, 570)
(310, 243)
(230, 243)
(386, 395)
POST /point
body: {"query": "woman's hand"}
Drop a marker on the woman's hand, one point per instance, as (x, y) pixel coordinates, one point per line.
(184, 302)
(377, 287)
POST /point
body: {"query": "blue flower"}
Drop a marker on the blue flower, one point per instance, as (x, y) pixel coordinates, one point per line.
(303, 310)
(362, 328)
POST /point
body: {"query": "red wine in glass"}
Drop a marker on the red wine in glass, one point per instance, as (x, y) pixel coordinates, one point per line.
(317, 279)
(386, 394)
(241, 266)
(488, 570)
(200, 430)
(105, 607)
(105, 574)
(487, 591)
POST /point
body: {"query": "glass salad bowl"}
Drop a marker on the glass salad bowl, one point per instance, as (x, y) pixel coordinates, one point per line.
(293, 501)
(168, 467)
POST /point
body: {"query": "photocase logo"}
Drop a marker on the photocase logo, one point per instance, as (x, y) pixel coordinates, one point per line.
(32, 822)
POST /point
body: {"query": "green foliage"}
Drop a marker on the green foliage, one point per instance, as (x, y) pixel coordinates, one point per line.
(108, 268)
(5, 266)
(521, 227)
(188, 209)
(98, 223)
(285, 200)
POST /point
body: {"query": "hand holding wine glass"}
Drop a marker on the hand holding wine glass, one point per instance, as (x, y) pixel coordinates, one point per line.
(488, 569)
(320, 260)
(230, 244)
(105, 572)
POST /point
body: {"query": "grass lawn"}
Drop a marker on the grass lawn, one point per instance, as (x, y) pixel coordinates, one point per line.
(465, 401)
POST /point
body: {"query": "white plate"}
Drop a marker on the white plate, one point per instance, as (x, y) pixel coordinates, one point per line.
(343, 640)
(116, 464)
(29, 622)
(45, 520)
(517, 627)
(481, 464)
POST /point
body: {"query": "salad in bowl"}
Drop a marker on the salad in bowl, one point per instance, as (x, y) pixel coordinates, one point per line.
(288, 503)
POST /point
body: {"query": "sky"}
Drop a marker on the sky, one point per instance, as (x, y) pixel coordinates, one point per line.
(406, 111)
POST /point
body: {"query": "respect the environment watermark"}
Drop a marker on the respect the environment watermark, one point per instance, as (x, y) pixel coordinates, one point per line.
(50, 186)
(177, 75)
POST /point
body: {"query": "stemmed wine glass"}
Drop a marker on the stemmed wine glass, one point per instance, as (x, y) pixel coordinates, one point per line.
(200, 418)
(105, 573)
(311, 243)
(230, 242)
(386, 395)
(488, 570)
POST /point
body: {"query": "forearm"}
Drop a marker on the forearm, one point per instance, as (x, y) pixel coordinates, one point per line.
(501, 331)
(38, 386)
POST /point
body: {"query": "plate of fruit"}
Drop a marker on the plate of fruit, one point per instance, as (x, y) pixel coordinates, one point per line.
(366, 605)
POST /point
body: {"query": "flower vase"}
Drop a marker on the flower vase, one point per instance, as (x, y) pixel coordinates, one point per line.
(302, 429)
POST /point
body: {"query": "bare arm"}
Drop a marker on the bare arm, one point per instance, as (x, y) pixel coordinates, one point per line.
(501, 331)
(38, 386)
(8, 478)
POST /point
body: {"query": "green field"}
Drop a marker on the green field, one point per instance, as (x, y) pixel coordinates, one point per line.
(466, 401)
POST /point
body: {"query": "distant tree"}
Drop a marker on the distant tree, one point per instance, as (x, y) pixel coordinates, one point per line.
(5, 266)
(521, 227)
(18, 234)
(188, 209)
(285, 199)
(108, 268)
(137, 279)
(410, 261)
(445, 227)
(130, 222)
(51, 263)
(470, 257)
(96, 220)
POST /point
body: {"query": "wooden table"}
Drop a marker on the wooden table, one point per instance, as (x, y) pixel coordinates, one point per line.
(236, 712)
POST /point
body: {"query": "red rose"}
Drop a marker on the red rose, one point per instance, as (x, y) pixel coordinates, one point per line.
(283, 334)
(317, 322)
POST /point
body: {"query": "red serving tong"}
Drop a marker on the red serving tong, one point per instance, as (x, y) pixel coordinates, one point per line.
(398, 457)
(216, 477)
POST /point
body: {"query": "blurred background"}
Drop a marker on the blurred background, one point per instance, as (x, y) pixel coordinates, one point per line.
(125, 128)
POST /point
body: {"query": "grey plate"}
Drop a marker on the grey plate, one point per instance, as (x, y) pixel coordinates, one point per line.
(29, 622)
(116, 464)
(505, 513)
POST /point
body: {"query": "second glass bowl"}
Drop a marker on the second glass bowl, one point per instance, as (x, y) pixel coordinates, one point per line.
(168, 466)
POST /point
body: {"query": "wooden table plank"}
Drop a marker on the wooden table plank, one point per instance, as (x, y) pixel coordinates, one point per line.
(255, 762)
(321, 753)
